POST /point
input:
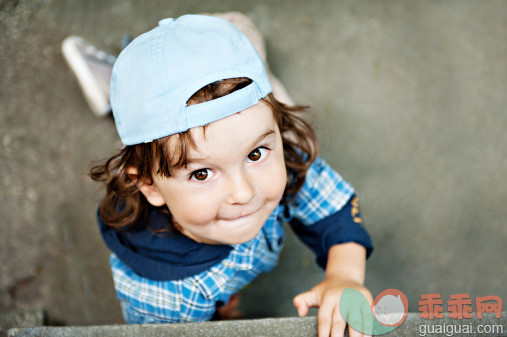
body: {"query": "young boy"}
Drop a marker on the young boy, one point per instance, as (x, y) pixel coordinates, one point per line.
(213, 164)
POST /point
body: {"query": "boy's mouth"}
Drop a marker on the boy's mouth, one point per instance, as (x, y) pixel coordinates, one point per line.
(241, 215)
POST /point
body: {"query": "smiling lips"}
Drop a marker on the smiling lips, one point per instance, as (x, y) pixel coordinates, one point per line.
(236, 218)
(242, 215)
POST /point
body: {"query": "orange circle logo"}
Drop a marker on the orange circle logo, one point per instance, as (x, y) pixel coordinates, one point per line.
(390, 307)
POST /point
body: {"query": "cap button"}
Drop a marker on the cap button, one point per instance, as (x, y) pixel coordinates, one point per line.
(165, 22)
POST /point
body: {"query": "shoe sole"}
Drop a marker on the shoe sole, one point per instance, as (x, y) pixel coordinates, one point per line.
(94, 95)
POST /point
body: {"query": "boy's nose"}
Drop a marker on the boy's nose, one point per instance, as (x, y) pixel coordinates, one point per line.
(241, 190)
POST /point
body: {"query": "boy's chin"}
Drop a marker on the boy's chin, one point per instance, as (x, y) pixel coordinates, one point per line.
(231, 241)
(246, 237)
(243, 240)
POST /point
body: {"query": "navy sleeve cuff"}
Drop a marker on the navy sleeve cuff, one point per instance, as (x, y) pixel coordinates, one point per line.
(341, 227)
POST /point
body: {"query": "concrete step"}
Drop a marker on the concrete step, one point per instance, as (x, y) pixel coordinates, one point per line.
(280, 327)
(20, 319)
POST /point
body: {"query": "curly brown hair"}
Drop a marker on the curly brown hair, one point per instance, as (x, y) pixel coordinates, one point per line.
(124, 204)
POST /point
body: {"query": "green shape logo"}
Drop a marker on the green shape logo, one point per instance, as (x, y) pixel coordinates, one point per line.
(386, 313)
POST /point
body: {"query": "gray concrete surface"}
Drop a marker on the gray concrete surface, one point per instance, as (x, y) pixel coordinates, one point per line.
(409, 98)
(280, 327)
(20, 319)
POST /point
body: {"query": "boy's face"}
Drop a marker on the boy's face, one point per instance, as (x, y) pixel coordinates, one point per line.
(235, 178)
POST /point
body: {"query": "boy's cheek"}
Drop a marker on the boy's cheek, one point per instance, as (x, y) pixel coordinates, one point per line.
(195, 208)
(274, 186)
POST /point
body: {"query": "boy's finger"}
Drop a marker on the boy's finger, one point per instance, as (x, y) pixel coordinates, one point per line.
(325, 320)
(354, 333)
(368, 319)
(338, 325)
(304, 301)
(338, 329)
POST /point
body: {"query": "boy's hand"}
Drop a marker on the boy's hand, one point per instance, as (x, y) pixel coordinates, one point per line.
(345, 269)
(326, 296)
(230, 310)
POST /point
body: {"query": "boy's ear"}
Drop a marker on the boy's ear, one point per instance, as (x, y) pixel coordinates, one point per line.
(147, 188)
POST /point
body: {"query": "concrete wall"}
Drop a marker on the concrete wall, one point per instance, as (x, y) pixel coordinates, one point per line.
(409, 99)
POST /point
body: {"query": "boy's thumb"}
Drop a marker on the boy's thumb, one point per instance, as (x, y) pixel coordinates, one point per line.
(304, 301)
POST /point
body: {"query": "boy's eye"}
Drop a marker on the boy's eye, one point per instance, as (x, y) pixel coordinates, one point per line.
(201, 175)
(257, 154)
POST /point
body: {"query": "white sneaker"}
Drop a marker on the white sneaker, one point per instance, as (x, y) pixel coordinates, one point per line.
(92, 68)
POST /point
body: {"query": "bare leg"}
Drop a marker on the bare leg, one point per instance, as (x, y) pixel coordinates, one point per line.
(248, 28)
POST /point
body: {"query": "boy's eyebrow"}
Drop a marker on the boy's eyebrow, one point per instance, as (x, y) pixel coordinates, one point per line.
(264, 135)
(261, 137)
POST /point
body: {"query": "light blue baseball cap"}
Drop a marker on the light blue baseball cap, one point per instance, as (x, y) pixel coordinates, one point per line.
(160, 70)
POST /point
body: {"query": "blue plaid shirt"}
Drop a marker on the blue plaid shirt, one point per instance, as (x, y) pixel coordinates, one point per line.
(195, 298)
